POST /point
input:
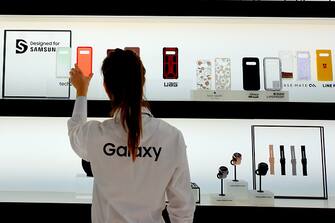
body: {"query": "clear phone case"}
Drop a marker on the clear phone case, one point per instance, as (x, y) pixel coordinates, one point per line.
(286, 58)
(63, 62)
(272, 74)
(303, 65)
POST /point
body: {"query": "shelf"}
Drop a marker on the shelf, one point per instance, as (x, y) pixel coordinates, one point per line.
(177, 109)
(82, 198)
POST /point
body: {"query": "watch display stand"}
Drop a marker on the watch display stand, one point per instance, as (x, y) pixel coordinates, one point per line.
(260, 197)
(236, 160)
(222, 175)
(238, 190)
(263, 198)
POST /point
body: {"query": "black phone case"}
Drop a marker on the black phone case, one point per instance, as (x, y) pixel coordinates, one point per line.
(251, 78)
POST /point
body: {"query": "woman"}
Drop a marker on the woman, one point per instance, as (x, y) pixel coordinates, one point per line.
(137, 160)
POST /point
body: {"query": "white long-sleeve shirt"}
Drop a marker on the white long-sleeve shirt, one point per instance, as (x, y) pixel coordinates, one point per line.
(133, 192)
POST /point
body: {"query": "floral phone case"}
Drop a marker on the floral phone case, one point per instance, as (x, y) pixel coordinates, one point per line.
(204, 74)
(222, 74)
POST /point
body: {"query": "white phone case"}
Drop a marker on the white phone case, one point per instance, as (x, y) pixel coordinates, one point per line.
(222, 74)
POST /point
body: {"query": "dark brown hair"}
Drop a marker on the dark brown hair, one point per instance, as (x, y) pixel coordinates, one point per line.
(123, 74)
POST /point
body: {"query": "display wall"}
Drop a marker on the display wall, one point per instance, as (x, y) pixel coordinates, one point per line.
(209, 63)
(41, 166)
(186, 58)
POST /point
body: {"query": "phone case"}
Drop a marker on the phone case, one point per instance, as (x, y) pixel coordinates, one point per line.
(84, 59)
(324, 65)
(303, 65)
(170, 63)
(134, 49)
(286, 58)
(204, 74)
(222, 74)
(251, 79)
(109, 51)
(272, 74)
(63, 62)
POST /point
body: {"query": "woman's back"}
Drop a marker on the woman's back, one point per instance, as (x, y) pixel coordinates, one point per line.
(137, 160)
(135, 191)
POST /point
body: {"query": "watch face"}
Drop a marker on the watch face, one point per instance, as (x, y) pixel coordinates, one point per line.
(236, 159)
(262, 169)
(223, 172)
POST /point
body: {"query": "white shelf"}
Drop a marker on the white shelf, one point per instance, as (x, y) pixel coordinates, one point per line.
(206, 200)
(234, 95)
(71, 197)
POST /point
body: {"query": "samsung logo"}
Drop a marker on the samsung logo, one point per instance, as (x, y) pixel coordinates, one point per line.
(35, 46)
(42, 49)
(21, 46)
(109, 149)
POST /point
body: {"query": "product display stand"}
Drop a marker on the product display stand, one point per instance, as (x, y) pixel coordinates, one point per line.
(264, 198)
(238, 190)
(222, 174)
(236, 160)
(260, 197)
(222, 196)
(235, 173)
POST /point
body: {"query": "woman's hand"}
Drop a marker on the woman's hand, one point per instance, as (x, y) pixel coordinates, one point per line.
(79, 81)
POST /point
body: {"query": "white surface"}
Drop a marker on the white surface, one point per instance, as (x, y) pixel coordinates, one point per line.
(222, 95)
(206, 199)
(264, 198)
(238, 190)
(33, 74)
(36, 155)
(287, 136)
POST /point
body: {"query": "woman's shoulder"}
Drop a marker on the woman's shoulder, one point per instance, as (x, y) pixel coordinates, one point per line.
(167, 127)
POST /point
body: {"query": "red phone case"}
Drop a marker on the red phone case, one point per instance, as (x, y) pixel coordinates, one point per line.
(134, 49)
(84, 59)
(109, 51)
(170, 63)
